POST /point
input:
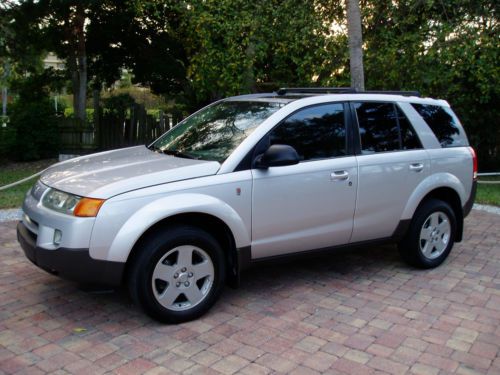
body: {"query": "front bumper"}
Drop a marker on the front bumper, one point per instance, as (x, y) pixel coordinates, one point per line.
(71, 264)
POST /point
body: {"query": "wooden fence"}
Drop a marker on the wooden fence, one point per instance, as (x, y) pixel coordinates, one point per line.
(112, 130)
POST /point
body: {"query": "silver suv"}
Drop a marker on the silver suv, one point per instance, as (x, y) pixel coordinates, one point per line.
(250, 178)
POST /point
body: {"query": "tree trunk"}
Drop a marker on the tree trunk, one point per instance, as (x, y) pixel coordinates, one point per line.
(355, 44)
(81, 62)
(82, 89)
(249, 76)
(96, 101)
(5, 77)
(73, 66)
(96, 98)
(4, 101)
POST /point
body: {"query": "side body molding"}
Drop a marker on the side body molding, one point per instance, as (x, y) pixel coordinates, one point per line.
(434, 181)
(165, 207)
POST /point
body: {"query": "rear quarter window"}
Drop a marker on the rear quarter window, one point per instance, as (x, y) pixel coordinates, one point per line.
(383, 127)
(443, 123)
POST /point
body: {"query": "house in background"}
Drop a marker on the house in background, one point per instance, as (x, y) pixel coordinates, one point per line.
(52, 61)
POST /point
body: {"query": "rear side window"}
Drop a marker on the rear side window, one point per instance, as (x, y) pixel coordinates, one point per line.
(409, 139)
(443, 123)
(316, 132)
(383, 127)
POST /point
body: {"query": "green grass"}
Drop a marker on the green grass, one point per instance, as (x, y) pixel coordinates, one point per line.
(11, 172)
(488, 193)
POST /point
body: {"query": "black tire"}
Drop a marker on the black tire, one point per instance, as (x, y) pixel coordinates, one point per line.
(411, 247)
(144, 288)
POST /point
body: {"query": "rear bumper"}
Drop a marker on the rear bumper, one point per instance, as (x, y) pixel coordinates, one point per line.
(470, 202)
(71, 264)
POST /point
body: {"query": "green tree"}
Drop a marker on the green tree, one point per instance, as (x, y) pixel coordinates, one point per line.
(200, 50)
(99, 38)
(33, 118)
(443, 49)
(5, 68)
(236, 46)
(16, 59)
(155, 52)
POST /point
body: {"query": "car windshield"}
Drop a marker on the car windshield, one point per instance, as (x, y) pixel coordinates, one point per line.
(214, 132)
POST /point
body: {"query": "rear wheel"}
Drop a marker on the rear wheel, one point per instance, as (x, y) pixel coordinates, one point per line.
(431, 235)
(178, 274)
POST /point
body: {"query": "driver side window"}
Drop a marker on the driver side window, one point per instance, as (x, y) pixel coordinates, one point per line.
(316, 132)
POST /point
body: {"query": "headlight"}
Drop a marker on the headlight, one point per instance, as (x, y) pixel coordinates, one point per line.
(60, 201)
(71, 204)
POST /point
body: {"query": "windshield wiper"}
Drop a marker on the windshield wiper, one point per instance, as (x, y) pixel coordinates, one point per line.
(178, 154)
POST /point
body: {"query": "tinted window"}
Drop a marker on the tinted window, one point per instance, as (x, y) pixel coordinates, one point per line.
(378, 127)
(443, 123)
(409, 139)
(316, 132)
(384, 127)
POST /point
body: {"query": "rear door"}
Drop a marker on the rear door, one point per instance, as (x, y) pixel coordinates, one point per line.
(391, 163)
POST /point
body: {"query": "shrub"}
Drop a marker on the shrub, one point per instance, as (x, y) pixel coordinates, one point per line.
(34, 121)
(70, 113)
(119, 105)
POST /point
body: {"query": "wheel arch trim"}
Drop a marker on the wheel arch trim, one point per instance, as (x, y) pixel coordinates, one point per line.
(430, 184)
(164, 208)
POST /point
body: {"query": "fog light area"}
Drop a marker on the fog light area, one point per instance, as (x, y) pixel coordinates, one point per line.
(57, 237)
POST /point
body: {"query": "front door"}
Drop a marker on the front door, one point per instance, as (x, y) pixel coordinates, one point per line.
(309, 205)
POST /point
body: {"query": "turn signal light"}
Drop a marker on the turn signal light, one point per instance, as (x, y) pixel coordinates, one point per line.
(88, 207)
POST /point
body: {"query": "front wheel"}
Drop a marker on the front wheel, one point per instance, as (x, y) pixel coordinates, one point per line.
(431, 235)
(178, 274)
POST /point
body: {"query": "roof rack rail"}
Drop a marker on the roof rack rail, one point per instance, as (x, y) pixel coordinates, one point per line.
(340, 90)
(390, 92)
(315, 90)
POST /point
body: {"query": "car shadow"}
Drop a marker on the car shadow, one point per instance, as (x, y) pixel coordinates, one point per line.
(337, 262)
(92, 305)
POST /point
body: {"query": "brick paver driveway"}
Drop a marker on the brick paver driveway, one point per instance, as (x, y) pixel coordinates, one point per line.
(358, 312)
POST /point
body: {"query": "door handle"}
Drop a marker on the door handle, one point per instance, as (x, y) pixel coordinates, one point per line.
(339, 175)
(416, 167)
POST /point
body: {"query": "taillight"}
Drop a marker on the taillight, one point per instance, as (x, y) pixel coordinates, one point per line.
(474, 163)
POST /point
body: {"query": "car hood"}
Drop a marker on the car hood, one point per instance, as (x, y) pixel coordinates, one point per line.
(109, 173)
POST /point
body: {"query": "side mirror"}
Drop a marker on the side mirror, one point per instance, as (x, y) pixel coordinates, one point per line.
(277, 156)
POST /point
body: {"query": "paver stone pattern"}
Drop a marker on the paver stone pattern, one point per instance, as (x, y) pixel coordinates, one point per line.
(357, 312)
